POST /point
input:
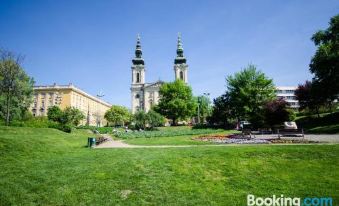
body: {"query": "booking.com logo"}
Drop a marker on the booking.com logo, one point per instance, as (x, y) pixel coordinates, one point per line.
(288, 201)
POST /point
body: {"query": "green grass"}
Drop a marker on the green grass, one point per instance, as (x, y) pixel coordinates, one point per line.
(167, 132)
(49, 167)
(175, 140)
(327, 123)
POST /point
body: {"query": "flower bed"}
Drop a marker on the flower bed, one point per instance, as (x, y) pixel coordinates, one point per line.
(239, 139)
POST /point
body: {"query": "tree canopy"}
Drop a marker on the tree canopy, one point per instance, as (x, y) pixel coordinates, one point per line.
(276, 112)
(205, 108)
(16, 87)
(325, 62)
(248, 91)
(69, 116)
(309, 96)
(176, 101)
(221, 111)
(118, 115)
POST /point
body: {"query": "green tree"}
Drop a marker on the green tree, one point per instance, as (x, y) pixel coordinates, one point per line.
(54, 113)
(16, 87)
(140, 119)
(221, 111)
(155, 119)
(150, 119)
(204, 107)
(72, 116)
(176, 101)
(118, 115)
(325, 63)
(248, 91)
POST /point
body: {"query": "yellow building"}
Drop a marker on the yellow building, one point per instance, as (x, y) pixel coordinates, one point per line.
(69, 96)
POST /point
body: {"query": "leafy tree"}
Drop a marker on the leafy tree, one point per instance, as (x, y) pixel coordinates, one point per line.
(150, 119)
(176, 101)
(309, 96)
(204, 106)
(118, 115)
(276, 112)
(248, 91)
(221, 111)
(72, 116)
(155, 119)
(16, 87)
(140, 119)
(54, 113)
(325, 63)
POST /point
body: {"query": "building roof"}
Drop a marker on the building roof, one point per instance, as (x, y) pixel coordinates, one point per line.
(286, 87)
(72, 87)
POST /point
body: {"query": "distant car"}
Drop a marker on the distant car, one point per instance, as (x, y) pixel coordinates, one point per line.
(243, 124)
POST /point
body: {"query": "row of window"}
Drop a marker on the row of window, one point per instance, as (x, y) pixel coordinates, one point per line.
(285, 91)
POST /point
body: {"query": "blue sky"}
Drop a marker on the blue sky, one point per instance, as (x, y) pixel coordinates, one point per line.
(91, 43)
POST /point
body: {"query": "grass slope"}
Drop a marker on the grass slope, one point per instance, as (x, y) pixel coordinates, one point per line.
(176, 140)
(327, 123)
(49, 167)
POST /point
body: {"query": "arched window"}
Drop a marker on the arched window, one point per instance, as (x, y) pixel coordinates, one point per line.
(138, 77)
(137, 96)
(181, 75)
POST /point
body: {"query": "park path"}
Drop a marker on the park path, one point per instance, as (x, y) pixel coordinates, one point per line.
(324, 139)
(120, 144)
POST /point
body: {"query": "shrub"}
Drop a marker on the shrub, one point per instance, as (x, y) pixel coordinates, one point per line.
(155, 119)
(65, 127)
(54, 113)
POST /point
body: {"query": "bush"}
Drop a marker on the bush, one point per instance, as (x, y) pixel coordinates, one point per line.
(37, 122)
(65, 127)
(54, 114)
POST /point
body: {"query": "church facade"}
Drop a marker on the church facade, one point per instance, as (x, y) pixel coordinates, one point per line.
(145, 95)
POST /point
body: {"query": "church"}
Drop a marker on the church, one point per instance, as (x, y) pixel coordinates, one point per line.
(145, 95)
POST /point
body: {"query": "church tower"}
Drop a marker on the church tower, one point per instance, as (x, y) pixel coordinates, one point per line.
(138, 67)
(138, 79)
(180, 66)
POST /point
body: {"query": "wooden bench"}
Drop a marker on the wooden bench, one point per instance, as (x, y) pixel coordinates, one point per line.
(290, 132)
(246, 132)
(100, 140)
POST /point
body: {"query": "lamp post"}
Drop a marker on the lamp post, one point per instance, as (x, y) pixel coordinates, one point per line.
(98, 115)
(199, 100)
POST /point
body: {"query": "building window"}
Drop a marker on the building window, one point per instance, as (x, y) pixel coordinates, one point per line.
(138, 77)
(181, 75)
(137, 96)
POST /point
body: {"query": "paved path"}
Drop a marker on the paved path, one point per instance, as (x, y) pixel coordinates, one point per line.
(330, 138)
(325, 139)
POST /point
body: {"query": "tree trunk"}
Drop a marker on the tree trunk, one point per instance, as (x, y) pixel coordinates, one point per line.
(317, 110)
(174, 122)
(8, 100)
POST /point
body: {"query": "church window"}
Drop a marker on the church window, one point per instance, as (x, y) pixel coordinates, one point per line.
(137, 96)
(181, 75)
(138, 77)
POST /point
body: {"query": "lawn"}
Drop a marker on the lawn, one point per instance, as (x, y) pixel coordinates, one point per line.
(327, 123)
(167, 132)
(166, 136)
(182, 135)
(49, 167)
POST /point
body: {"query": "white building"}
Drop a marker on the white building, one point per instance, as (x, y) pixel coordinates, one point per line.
(145, 95)
(287, 93)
